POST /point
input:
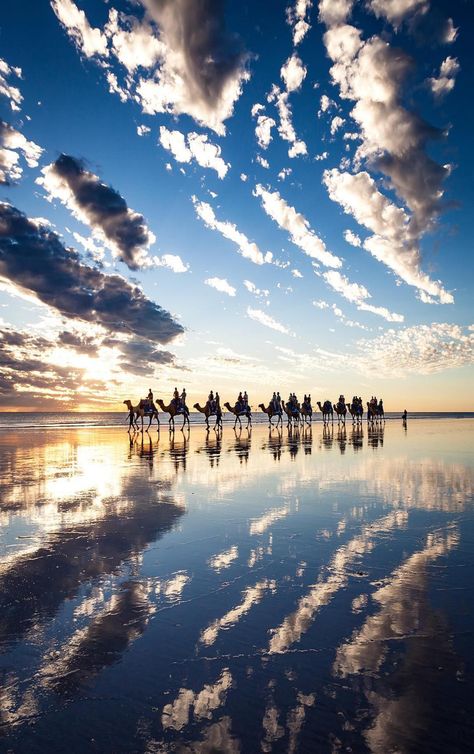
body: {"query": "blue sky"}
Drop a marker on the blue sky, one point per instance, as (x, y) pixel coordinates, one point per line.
(294, 190)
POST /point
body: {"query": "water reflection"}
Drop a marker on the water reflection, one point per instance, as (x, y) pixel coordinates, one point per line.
(265, 590)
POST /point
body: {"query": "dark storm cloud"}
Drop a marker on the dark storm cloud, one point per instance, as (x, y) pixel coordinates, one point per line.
(104, 208)
(196, 29)
(33, 258)
(140, 356)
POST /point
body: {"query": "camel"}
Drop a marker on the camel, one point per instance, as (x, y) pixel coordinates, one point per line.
(326, 411)
(270, 411)
(374, 413)
(141, 410)
(238, 413)
(341, 411)
(356, 411)
(207, 411)
(292, 413)
(173, 411)
(306, 413)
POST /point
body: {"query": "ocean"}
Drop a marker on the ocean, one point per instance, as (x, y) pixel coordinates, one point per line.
(64, 419)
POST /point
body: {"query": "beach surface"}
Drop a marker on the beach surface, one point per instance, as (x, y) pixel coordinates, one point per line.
(306, 591)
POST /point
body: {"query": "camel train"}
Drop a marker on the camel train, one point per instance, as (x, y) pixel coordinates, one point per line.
(297, 414)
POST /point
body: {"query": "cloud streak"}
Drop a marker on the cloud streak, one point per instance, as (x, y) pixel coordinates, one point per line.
(101, 207)
(33, 259)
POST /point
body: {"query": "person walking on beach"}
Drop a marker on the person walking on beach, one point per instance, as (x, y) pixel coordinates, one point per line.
(404, 415)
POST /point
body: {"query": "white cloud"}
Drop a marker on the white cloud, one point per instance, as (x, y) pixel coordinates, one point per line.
(142, 130)
(297, 226)
(266, 320)
(258, 292)
(352, 238)
(221, 285)
(336, 123)
(322, 156)
(172, 261)
(285, 128)
(12, 142)
(262, 161)
(297, 18)
(293, 73)
(334, 12)
(372, 74)
(89, 41)
(169, 66)
(188, 79)
(246, 248)
(263, 130)
(284, 172)
(89, 245)
(243, 177)
(397, 11)
(321, 304)
(194, 146)
(12, 93)
(326, 103)
(392, 243)
(444, 82)
(134, 43)
(296, 273)
(358, 295)
(421, 349)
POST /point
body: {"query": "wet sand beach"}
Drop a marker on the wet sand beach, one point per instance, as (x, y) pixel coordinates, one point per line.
(253, 591)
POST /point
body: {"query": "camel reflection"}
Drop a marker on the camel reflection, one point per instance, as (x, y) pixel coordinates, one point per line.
(375, 435)
(212, 447)
(179, 449)
(241, 444)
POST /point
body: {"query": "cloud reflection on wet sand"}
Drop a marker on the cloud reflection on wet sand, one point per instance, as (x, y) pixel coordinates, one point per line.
(143, 562)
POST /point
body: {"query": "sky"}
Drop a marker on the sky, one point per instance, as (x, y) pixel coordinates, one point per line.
(235, 196)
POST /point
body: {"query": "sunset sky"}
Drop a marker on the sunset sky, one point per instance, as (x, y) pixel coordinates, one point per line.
(235, 195)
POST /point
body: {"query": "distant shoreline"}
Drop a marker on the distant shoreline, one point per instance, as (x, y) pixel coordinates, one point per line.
(47, 420)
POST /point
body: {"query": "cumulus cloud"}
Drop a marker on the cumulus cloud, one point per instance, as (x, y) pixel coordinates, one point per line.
(393, 242)
(91, 42)
(326, 103)
(173, 262)
(34, 260)
(134, 43)
(101, 207)
(248, 249)
(180, 58)
(264, 319)
(258, 292)
(397, 11)
(394, 139)
(284, 173)
(203, 67)
(221, 285)
(286, 128)
(352, 238)
(142, 130)
(12, 93)
(293, 73)
(262, 161)
(12, 142)
(444, 83)
(194, 146)
(297, 16)
(297, 226)
(336, 123)
(263, 129)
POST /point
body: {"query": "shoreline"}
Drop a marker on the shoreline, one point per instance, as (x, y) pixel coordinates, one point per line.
(258, 420)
